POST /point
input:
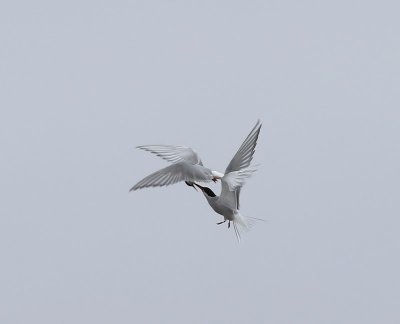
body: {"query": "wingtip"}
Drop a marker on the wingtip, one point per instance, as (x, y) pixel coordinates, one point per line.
(145, 147)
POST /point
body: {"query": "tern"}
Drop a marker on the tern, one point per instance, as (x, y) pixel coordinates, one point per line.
(186, 166)
(237, 172)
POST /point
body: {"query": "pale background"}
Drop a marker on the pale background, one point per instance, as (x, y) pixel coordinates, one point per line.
(84, 82)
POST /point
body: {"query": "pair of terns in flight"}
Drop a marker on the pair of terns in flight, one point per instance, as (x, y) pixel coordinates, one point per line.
(187, 166)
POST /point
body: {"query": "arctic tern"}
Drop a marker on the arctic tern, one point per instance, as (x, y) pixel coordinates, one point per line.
(186, 166)
(237, 172)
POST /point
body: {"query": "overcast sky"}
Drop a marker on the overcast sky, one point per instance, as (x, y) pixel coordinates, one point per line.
(84, 82)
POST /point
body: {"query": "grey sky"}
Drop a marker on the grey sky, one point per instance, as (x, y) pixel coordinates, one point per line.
(84, 82)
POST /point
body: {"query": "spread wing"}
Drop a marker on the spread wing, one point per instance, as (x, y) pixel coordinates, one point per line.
(180, 171)
(173, 153)
(244, 155)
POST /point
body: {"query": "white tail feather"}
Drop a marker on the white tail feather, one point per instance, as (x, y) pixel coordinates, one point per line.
(243, 224)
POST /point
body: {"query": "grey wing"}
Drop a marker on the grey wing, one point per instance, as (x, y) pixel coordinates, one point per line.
(245, 153)
(180, 171)
(173, 153)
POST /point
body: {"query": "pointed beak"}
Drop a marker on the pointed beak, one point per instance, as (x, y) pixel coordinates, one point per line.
(206, 191)
(198, 186)
(191, 184)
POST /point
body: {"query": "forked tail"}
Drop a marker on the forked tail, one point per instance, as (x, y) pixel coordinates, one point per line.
(243, 224)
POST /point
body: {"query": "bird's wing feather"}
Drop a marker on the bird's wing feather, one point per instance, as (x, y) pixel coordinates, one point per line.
(173, 153)
(245, 153)
(236, 179)
(231, 184)
(180, 171)
(237, 191)
(242, 159)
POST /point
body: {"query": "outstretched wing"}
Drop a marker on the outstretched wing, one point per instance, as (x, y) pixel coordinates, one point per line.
(173, 153)
(180, 171)
(245, 153)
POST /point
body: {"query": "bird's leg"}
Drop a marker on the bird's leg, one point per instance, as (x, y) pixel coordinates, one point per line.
(221, 222)
(229, 224)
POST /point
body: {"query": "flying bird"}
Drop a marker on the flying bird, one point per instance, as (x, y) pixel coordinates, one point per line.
(186, 166)
(237, 172)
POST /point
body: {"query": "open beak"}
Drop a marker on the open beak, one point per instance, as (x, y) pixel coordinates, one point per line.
(190, 184)
(198, 186)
